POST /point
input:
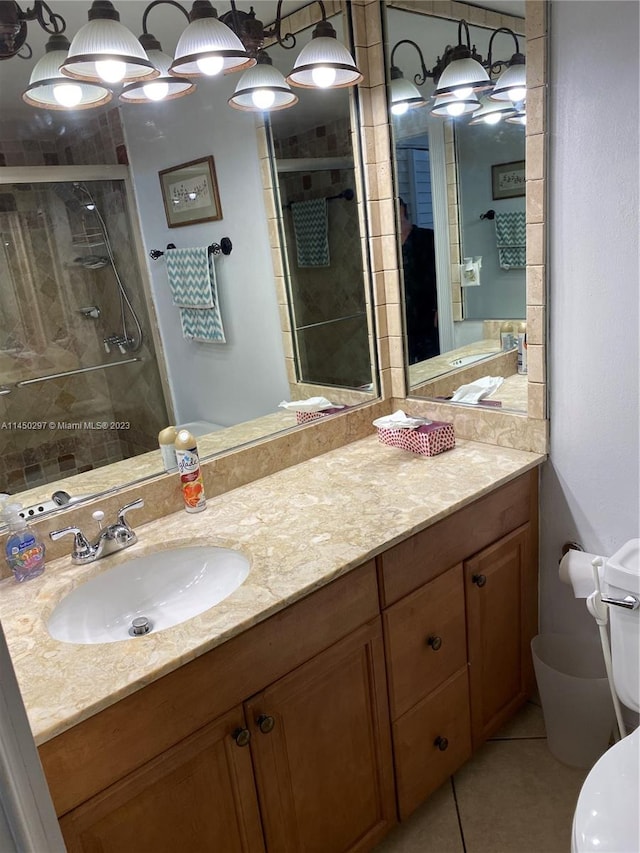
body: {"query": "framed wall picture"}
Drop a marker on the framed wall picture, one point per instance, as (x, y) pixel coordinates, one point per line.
(508, 180)
(190, 193)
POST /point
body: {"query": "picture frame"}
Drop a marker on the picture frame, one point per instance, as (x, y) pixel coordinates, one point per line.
(190, 193)
(508, 180)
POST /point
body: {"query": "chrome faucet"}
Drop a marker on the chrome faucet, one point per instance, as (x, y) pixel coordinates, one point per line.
(112, 538)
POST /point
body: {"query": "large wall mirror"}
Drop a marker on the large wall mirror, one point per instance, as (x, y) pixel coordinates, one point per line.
(460, 185)
(81, 207)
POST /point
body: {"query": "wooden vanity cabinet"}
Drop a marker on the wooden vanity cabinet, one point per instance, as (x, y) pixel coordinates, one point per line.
(459, 611)
(302, 761)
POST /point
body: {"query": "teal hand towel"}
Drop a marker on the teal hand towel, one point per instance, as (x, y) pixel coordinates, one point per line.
(311, 229)
(202, 324)
(511, 239)
(191, 277)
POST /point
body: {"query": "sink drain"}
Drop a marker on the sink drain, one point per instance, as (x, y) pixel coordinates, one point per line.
(140, 626)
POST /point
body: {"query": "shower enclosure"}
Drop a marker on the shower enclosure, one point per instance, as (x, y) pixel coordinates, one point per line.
(80, 385)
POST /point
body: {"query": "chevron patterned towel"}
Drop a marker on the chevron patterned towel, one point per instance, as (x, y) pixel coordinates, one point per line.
(202, 324)
(191, 277)
(511, 239)
(311, 227)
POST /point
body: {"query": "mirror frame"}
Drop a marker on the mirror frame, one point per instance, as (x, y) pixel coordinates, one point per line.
(529, 430)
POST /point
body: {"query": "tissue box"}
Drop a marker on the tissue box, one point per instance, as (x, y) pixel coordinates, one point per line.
(305, 417)
(428, 439)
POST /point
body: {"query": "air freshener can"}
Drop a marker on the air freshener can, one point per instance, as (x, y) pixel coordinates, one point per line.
(190, 472)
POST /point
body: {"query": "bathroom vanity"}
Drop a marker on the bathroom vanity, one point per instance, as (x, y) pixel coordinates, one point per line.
(365, 661)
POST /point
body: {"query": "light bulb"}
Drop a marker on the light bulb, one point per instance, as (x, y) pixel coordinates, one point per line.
(517, 94)
(67, 94)
(399, 109)
(455, 109)
(492, 118)
(156, 91)
(90, 206)
(323, 77)
(111, 70)
(210, 65)
(462, 93)
(263, 98)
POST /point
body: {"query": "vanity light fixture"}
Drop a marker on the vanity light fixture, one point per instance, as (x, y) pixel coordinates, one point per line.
(262, 88)
(461, 71)
(105, 50)
(511, 86)
(165, 87)
(324, 63)
(451, 105)
(208, 46)
(404, 94)
(491, 112)
(50, 89)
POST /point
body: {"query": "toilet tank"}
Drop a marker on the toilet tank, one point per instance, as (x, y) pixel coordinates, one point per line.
(622, 577)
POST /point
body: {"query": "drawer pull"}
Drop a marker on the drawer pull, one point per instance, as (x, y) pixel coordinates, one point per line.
(265, 723)
(441, 742)
(435, 643)
(478, 580)
(241, 736)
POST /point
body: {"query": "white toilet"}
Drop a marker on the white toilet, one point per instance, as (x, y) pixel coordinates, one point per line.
(607, 817)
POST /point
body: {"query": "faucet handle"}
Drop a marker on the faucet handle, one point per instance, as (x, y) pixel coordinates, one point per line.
(137, 504)
(81, 546)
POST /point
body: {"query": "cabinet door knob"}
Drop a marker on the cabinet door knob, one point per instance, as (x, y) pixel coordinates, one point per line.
(241, 736)
(478, 580)
(441, 742)
(434, 642)
(265, 723)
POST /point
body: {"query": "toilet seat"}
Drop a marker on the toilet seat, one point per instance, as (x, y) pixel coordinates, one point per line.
(606, 817)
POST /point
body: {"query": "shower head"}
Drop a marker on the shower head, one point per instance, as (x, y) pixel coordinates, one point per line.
(87, 200)
(75, 195)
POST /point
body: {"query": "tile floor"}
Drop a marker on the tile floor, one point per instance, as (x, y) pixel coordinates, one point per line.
(512, 797)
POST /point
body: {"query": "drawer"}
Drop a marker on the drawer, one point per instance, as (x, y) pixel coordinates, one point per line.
(425, 639)
(414, 562)
(421, 764)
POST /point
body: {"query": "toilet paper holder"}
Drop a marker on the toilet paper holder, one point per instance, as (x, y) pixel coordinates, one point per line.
(571, 546)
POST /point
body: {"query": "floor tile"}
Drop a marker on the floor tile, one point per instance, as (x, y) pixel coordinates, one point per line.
(433, 828)
(515, 797)
(527, 723)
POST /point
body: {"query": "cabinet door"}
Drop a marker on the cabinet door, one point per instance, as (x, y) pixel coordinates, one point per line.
(321, 751)
(198, 795)
(501, 598)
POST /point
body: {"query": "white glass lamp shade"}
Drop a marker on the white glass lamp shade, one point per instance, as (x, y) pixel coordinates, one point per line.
(49, 89)
(519, 117)
(208, 47)
(449, 106)
(511, 86)
(462, 77)
(324, 63)
(262, 88)
(491, 112)
(165, 87)
(104, 50)
(404, 96)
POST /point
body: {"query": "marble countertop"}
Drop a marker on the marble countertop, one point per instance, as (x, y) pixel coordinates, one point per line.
(301, 528)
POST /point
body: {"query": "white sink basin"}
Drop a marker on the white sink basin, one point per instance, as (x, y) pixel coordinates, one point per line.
(167, 587)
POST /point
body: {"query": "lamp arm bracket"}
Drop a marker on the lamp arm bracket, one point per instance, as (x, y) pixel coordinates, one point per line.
(53, 23)
(274, 31)
(151, 5)
(500, 63)
(420, 78)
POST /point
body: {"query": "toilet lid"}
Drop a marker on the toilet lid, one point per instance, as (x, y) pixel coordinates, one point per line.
(607, 818)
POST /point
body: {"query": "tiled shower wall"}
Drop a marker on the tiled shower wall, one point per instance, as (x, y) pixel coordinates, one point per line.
(43, 332)
(328, 303)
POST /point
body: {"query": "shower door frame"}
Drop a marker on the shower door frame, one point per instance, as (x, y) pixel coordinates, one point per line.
(64, 174)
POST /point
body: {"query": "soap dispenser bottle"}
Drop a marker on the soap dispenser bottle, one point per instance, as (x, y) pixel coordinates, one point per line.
(24, 551)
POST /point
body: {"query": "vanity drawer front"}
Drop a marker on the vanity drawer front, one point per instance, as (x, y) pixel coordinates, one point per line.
(97, 752)
(421, 765)
(421, 558)
(425, 639)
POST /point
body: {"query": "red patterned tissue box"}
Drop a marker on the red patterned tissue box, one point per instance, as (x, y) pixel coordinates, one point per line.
(428, 439)
(305, 417)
